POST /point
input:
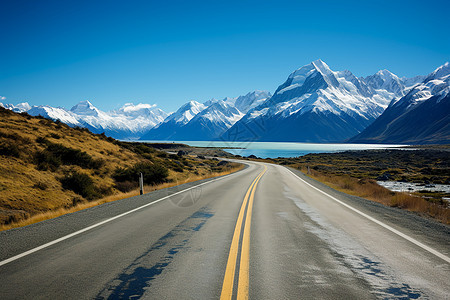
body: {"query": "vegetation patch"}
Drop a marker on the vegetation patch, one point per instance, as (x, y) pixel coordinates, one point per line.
(48, 168)
(153, 173)
(56, 154)
(357, 172)
(81, 184)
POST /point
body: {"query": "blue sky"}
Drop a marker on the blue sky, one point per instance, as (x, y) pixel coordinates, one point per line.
(169, 52)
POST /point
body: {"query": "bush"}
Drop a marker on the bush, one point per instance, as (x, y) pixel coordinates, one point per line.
(9, 149)
(81, 184)
(126, 186)
(153, 173)
(42, 140)
(56, 154)
(162, 155)
(45, 161)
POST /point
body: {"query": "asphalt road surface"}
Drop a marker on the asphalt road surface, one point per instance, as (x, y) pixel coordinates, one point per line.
(265, 232)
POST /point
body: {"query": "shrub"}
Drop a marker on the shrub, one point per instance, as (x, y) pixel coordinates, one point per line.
(153, 173)
(56, 154)
(42, 140)
(77, 200)
(81, 184)
(45, 161)
(162, 154)
(126, 186)
(173, 156)
(9, 149)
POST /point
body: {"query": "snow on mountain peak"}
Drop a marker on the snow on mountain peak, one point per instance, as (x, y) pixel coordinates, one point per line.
(222, 113)
(385, 80)
(251, 100)
(442, 71)
(321, 66)
(299, 76)
(21, 107)
(186, 112)
(436, 83)
(85, 108)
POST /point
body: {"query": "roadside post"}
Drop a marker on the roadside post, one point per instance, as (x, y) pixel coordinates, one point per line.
(141, 183)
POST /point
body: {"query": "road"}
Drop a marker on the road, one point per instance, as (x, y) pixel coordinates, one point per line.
(266, 232)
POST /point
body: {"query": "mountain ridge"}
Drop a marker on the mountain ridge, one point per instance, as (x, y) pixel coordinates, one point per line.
(314, 104)
(420, 117)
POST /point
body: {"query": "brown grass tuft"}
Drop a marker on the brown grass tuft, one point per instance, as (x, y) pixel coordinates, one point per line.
(369, 189)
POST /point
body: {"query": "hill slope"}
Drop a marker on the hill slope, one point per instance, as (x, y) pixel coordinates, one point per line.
(47, 165)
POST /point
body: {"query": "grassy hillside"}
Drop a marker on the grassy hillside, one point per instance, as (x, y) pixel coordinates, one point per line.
(47, 166)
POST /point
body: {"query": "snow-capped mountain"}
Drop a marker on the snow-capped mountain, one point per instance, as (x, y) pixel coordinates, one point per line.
(209, 123)
(85, 108)
(169, 128)
(316, 104)
(128, 122)
(410, 82)
(185, 113)
(55, 113)
(421, 116)
(21, 107)
(385, 80)
(251, 100)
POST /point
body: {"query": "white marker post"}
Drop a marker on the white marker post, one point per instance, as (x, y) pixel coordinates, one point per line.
(141, 183)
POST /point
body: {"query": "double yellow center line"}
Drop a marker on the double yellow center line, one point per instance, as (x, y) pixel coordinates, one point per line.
(243, 282)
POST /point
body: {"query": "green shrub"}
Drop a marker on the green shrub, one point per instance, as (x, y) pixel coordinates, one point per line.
(46, 161)
(81, 184)
(153, 173)
(162, 154)
(56, 154)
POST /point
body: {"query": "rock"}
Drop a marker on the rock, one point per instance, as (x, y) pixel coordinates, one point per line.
(182, 153)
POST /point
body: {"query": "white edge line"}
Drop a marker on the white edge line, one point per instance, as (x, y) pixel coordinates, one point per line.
(11, 259)
(406, 237)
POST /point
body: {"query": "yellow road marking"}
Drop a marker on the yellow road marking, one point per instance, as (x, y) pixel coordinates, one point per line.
(228, 281)
(243, 282)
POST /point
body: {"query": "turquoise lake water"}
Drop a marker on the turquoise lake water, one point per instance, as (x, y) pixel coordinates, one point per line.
(275, 149)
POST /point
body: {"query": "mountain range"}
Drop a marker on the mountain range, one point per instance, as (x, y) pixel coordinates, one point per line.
(422, 116)
(314, 104)
(128, 122)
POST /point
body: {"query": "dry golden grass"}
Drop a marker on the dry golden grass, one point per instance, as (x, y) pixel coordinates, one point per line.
(28, 190)
(62, 211)
(23, 187)
(369, 189)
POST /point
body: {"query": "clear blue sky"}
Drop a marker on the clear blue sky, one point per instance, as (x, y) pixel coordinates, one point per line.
(169, 52)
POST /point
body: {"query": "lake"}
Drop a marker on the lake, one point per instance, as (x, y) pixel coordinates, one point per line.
(275, 149)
